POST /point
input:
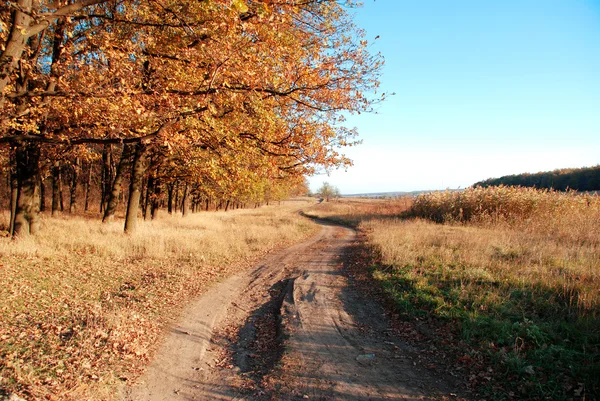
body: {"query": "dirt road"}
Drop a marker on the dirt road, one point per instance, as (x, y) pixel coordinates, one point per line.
(291, 329)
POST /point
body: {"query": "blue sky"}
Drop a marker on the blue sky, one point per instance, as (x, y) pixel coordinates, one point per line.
(484, 88)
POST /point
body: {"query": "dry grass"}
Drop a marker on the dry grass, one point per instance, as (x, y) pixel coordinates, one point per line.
(517, 270)
(82, 304)
(561, 216)
(505, 257)
(353, 211)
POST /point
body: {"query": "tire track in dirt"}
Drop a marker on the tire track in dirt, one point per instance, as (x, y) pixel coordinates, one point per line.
(330, 355)
(291, 329)
(185, 366)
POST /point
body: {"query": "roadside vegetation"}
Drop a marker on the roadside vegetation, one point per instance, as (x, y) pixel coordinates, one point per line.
(514, 272)
(82, 304)
(129, 108)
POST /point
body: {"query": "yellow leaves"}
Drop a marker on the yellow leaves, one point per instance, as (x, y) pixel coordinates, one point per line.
(263, 10)
(240, 6)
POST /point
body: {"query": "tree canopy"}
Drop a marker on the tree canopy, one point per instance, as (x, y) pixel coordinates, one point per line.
(328, 191)
(226, 96)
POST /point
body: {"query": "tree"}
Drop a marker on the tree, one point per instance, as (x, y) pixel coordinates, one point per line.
(254, 91)
(328, 191)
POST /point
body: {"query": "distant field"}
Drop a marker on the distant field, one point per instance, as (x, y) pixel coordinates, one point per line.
(517, 271)
(82, 304)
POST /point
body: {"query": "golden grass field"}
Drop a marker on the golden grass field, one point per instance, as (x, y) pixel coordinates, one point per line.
(82, 305)
(517, 270)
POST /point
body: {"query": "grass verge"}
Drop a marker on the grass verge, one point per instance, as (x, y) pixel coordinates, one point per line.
(82, 305)
(519, 293)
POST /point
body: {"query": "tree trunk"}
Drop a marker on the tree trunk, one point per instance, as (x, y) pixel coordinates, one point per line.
(34, 221)
(73, 187)
(184, 200)
(207, 203)
(113, 200)
(176, 196)
(27, 158)
(105, 186)
(135, 187)
(42, 195)
(227, 204)
(14, 190)
(88, 181)
(16, 44)
(60, 189)
(170, 190)
(155, 198)
(55, 188)
(143, 191)
(149, 192)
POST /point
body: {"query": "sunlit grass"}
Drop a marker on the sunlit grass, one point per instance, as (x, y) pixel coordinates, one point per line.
(517, 270)
(353, 211)
(82, 304)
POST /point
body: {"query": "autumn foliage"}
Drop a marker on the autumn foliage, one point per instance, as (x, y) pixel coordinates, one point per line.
(226, 101)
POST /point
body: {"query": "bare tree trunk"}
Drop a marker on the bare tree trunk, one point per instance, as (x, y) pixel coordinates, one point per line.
(184, 200)
(14, 190)
(155, 197)
(113, 200)
(143, 191)
(42, 195)
(60, 189)
(207, 203)
(73, 187)
(55, 188)
(137, 173)
(227, 204)
(15, 45)
(27, 158)
(176, 196)
(105, 186)
(88, 181)
(34, 221)
(149, 192)
(170, 189)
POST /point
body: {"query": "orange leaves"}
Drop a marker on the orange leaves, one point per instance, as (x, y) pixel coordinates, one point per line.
(250, 90)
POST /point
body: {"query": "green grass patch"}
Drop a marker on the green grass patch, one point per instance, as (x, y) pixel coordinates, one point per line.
(546, 348)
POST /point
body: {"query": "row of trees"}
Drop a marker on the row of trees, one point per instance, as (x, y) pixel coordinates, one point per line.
(579, 179)
(73, 185)
(232, 101)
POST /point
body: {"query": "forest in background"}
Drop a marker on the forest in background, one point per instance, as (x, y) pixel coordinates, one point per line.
(578, 179)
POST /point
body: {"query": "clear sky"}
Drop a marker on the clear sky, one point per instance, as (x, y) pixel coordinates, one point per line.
(484, 88)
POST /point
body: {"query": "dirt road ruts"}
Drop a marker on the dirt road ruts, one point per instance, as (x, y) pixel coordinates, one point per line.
(291, 329)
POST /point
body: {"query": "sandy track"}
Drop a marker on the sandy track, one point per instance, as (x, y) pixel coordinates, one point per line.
(327, 344)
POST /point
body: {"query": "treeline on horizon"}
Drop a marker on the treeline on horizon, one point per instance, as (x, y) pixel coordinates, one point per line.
(579, 179)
